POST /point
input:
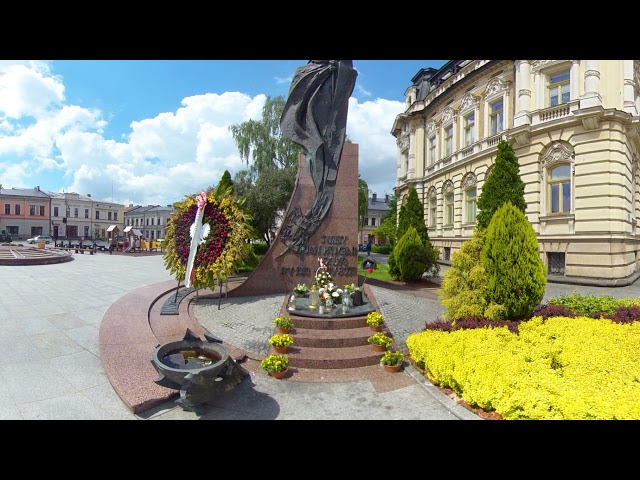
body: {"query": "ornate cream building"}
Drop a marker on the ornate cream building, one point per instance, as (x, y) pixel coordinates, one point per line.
(574, 128)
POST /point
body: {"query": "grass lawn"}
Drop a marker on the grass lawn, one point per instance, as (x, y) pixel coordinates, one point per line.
(381, 272)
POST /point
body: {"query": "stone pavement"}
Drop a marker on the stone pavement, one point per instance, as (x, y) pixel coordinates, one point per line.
(50, 318)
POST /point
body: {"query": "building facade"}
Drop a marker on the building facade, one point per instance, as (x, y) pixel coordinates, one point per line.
(24, 212)
(573, 125)
(377, 208)
(75, 216)
(150, 220)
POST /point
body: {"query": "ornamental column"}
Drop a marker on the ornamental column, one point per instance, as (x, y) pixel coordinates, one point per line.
(592, 97)
(628, 90)
(523, 73)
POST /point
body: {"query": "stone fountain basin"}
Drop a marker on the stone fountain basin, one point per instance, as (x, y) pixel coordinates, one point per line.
(188, 376)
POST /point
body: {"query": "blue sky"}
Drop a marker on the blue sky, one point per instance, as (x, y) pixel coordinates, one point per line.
(152, 131)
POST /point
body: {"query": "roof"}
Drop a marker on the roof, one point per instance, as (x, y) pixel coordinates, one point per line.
(112, 228)
(24, 192)
(135, 231)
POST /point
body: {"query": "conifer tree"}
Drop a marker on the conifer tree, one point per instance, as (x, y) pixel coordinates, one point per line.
(514, 271)
(504, 184)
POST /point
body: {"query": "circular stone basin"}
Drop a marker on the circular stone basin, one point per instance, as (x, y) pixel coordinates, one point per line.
(186, 362)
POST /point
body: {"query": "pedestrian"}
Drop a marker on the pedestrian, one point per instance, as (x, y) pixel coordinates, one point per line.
(369, 248)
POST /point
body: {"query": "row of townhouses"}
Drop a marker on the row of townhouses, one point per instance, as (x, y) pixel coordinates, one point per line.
(574, 127)
(26, 212)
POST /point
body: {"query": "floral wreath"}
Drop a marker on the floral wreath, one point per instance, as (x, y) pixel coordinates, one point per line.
(222, 248)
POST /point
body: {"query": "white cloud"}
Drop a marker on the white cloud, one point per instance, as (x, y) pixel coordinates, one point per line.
(163, 158)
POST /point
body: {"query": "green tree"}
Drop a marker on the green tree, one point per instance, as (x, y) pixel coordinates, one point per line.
(411, 256)
(504, 184)
(261, 143)
(224, 184)
(388, 223)
(363, 204)
(511, 259)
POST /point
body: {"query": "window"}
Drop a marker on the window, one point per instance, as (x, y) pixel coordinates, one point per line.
(7, 209)
(152, 220)
(373, 222)
(496, 117)
(559, 189)
(469, 122)
(86, 213)
(470, 195)
(42, 210)
(97, 214)
(556, 262)
(432, 211)
(55, 211)
(558, 88)
(115, 216)
(448, 208)
(366, 221)
(108, 215)
(16, 209)
(148, 224)
(86, 231)
(448, 141)
(32, 210)
(447, 254)
(432, 150)
(75, 212)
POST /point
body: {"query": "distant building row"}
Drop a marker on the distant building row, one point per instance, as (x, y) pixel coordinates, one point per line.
(27, 212)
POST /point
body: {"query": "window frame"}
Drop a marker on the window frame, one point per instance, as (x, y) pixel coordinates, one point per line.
(564, 69)
(468, 202)
(469, 128)
(558, 181)
(448, 140)
(494, 115)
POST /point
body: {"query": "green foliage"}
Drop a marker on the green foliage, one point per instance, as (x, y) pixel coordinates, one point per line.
(411, 256)
(394, 269)
(504, 184)
(463, 287)
(412, 215)
(380, 338)
(495, 312)
(511, 259)
(225, 185)
(388, 225)
(384, 249)
(283, 322)
(363, 202)
(589, 304)
(259, 248)
(275, 363)
(391, 357)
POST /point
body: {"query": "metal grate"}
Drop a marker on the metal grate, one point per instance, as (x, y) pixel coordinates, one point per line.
(556, 263)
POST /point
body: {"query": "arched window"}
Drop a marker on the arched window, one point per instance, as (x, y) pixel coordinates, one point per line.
(559, 188)
(470, 197)
(447, 191)
(433, 207)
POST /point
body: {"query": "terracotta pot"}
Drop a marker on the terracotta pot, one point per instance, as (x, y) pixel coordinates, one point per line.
(281, 374)
(283, 330)
(40, 245)
(392, 368)
(280, 349)
(375, 328)
(379, 348)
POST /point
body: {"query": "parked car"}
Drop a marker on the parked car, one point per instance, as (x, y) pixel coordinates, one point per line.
(86, 244)
(40, 238)
(5, 238)
(102, 245)
(75, 243)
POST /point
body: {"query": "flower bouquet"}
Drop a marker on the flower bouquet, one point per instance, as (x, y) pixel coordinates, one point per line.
(331, 294)
(300, 290)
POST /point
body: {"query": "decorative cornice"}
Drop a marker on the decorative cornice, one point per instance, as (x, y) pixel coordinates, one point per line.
(431, 127)
(447, 115)
(469, 179)
(558, 152)
(468, 102)
(432, 193)
(537, 65)
(447, 187)
(494, 86)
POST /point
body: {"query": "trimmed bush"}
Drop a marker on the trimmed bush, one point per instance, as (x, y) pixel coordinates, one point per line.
(260, 248)
(411, 256)
(511, 258)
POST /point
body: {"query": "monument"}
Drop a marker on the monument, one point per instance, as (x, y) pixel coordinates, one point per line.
(321, 220)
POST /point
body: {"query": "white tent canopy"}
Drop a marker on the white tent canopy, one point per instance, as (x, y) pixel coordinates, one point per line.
(112, 228)
(132, 231)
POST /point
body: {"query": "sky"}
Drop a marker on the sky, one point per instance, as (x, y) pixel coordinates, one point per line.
(149, 132)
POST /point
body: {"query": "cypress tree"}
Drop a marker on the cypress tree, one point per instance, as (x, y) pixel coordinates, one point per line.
(514, 272)
(504, 184)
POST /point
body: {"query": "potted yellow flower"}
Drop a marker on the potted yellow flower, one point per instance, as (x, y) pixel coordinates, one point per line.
(281, 342)
(300, 290)
(392, 361)
(275, 365)
(380, 341)
(375, 321)
(283, 324)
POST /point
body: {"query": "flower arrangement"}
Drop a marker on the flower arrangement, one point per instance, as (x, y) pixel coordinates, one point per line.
(351, 288)
(275, 363)
(331, 292)
(323, 277)
(281, 340)
(283, 322)
(300, 289)
(374, 319)
(381, 339)
(220, 251)
(391, 357)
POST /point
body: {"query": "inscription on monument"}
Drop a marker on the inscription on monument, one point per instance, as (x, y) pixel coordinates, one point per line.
(335, 254)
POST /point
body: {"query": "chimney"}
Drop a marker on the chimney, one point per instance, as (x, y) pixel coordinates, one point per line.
(386, 198)
(38, 188)
(375, 196)
(89, 195)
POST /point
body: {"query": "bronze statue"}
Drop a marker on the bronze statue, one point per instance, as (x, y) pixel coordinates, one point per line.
(315, 117)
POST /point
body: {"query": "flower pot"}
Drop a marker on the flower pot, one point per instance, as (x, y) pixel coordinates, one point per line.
(281, 349)
(375, 328)
(392, 368)
(40, 245)
(379, 348)
(282, 330)
(281, 374)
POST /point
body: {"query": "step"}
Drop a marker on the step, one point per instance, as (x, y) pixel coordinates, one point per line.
(351, 337)
(329, 358)
(318, 323)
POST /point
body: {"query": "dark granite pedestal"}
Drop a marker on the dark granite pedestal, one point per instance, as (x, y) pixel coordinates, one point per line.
(302, 309)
